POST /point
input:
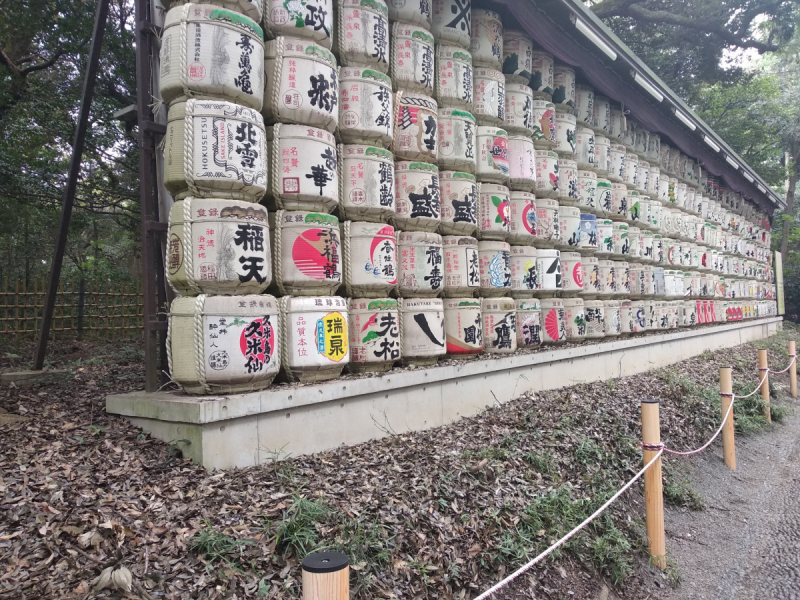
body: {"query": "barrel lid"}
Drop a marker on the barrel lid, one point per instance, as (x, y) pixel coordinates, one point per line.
(456, 112)
(291, 218)
(462, 303)
(454, 52)
(300, 48)
(284, 131)
(250, 305)
(215, 209)
(325, 562)
(215, 108)
(372, 304)
(504, 304)
(421, 304)
(407, 30)
(213, 14)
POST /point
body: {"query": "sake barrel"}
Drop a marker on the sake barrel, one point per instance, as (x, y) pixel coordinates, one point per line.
(529, 330)
(422, 333)
(619, 202)
(690, 313)
(575, 319)
(548, 227)
(653, 180)
(584, 147)
(547, 184)
(459, 194)
(416, 12)
(628, 138)
(618, 125)
(463, 326)
(605, 237)
(587, 244)
(454, 79)
(215, 149)
(567, 181)
(457, 140)
(601, 121)
(370, 259)
(565, 134)
(650, 317)
(418, 196)
(658, 249)
(542, 72)
(365, 107)
(522, 163)
(618, 157)
(486, 43)
(218, 246)
(421, 265)
(302, 84)
(607, 270)
(306, 253)
(312, 20)
(452, 22)
(489, 93)
(572, 273)
(587, 191)
(366, 183)
(495, 268)
(517, 57)
(362, 34)
(691, 200)
(659, 284)
(462, 269)
(613, 323)
(525, 278)
(415, 128)
(654, 218)
(224, 344)
(553, 321)
(593, 284)
(631, 167)
(622, 276)
(499, 325)
(638, 209)
(493, 212)
(569, 218)
(627, 317)
(250, 8)
(641, 142)
(374, 334)
(642, 176)
(519, 109)
(522, 218)
(664, 159)
(492, 161)
(622, 245)
(548, 265)
(635, 237)
(602, 156)
(208, 51)
(544, 124)
(412, 59)
(304, 170)
(317, 337)
(564, 86)
(603, 200)
(595, 311)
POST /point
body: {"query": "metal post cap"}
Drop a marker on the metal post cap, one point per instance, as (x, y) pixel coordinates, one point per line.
(325, 562)
(650, 401)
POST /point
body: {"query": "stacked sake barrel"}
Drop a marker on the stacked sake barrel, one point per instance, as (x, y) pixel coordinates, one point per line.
(224, 333)
(359, 184)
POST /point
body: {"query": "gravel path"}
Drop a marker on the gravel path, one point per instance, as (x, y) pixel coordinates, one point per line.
(746, 543)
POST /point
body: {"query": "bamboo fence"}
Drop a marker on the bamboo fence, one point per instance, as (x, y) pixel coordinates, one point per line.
(101, 310)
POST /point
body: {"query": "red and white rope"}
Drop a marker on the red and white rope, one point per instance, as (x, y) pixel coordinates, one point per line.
(497, 587)
(758, 389)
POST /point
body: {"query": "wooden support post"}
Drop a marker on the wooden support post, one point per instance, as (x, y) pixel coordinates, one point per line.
(763, 371)
(793, 369)
(653, 485)
(725, 399)
(326, 576)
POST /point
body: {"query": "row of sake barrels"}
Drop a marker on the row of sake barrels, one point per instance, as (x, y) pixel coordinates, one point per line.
(224, 246)
(220, 344)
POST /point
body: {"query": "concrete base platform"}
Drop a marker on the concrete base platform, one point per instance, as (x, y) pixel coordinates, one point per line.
(242, 430)
(28, 378)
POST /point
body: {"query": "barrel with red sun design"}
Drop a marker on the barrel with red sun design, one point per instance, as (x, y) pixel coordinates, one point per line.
(307, 253)
(370, 259)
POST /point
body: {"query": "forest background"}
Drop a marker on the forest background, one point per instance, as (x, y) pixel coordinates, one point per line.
(736, 62)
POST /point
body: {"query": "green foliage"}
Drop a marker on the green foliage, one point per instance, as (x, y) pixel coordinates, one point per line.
(217, 547)
(297, 533)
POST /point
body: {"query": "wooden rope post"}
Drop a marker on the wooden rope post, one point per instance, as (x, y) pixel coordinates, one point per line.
(793, 369)
(653, 485)
(725, 399)
(326, 576)
(763, 371)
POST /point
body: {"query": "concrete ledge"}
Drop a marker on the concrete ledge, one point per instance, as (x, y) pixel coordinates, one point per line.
(246, 429)
(28, 378)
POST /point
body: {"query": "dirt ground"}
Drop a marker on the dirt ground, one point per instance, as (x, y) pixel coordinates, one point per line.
(443, 513)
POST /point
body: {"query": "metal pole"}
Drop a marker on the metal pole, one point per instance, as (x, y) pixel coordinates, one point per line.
(72, 181)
